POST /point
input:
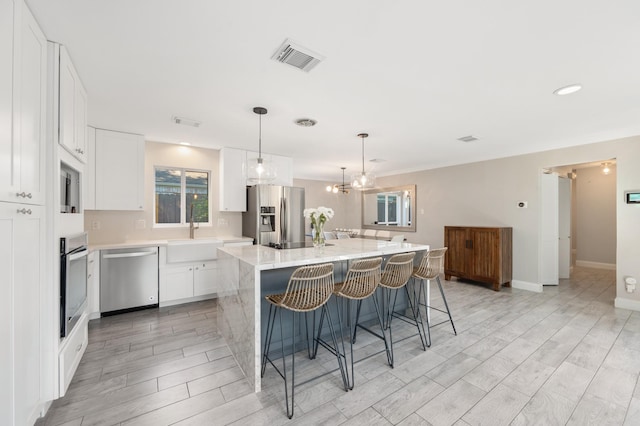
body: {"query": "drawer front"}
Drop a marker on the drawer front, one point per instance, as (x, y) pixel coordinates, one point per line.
(71, 353)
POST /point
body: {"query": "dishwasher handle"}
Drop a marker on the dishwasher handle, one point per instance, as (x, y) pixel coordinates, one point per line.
(130, 254)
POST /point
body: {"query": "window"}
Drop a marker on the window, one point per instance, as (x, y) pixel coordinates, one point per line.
(388, 209)
(176, 188)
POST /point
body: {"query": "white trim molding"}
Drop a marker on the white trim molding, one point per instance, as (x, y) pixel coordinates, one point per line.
(525, 285)
(633, 305)
(597, 265)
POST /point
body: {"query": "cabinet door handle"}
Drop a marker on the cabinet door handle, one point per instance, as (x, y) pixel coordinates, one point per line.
(79, 347)
(23, 194)
(24, 211)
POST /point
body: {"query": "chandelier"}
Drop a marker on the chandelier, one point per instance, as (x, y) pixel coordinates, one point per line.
(344, 188)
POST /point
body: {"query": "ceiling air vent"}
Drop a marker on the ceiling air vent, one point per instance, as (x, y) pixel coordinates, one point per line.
(468, 138)
(297, 56)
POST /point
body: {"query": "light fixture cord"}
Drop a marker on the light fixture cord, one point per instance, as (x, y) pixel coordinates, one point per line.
(260, 137)
(363, 155)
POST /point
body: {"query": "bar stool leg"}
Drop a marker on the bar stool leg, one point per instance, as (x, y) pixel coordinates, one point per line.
(421, 291)
(446, 305)
(267, 340)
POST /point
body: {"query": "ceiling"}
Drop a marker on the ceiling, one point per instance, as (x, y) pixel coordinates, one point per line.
(415, 74)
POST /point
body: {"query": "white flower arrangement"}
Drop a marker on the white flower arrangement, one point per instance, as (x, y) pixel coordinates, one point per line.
(318, 218)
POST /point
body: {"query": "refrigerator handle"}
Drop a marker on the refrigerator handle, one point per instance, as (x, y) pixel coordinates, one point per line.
(283, 221)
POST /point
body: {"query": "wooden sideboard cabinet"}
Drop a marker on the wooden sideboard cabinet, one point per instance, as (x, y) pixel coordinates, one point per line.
(479, 253)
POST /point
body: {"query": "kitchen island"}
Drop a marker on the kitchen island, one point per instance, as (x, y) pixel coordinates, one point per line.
(246, 273)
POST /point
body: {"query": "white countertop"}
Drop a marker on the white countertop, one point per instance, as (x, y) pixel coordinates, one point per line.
(264, 258)
(161, 243)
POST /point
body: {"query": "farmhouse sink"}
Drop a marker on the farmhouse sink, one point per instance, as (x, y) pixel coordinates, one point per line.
(192, 250)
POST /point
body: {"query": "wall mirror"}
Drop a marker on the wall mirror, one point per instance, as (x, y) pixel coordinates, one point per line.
(392, 209)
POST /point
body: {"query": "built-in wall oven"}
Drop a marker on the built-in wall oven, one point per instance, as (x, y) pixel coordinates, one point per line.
(73, 280)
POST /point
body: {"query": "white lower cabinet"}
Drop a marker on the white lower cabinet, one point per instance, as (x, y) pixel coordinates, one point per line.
(71, 351)
(180, 282)
(23, 286)
(205, 278)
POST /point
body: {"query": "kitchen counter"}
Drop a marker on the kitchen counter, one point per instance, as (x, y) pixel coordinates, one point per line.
(247, 273)
(162, 243)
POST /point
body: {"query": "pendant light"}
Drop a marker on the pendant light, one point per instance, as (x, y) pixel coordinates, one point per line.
(339, 188)
(362, 181)
(261, 171)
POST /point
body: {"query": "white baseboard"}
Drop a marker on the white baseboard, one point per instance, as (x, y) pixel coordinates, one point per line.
(525, 285)
(597, 265)
(633, 305)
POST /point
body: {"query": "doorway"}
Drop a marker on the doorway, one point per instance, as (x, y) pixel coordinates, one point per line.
(578, 219)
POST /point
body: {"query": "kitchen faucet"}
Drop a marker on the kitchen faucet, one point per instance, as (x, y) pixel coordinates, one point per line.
(191, 227)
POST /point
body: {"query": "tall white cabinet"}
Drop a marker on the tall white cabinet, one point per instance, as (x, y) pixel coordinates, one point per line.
(23, 107)
(23, 66)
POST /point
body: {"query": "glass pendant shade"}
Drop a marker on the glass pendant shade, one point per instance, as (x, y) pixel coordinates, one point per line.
(363, 180)
(259, 170)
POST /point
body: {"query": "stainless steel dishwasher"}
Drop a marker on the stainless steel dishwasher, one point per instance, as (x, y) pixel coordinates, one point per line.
(128, 279)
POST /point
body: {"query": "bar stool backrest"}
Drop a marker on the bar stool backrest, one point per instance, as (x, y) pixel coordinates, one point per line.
(309, 288)
(362, 279)
(431, 264)
(397, 270)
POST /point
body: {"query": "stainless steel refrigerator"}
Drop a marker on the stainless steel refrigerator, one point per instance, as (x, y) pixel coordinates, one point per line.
(274, 215)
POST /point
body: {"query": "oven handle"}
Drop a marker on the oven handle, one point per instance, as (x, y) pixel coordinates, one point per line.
(78, 255)
(131, 254)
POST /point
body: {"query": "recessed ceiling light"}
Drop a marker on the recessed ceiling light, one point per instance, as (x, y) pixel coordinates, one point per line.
(306, 122)
(186, 121)
(567, 90)
(185, 143)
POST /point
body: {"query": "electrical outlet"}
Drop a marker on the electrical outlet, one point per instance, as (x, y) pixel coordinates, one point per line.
(223, 222)
(95, 225)
(141, 224)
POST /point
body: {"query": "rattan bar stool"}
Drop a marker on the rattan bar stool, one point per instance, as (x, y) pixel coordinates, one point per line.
(309, 289)
(429, 269)
(360, 283)
(397, 272)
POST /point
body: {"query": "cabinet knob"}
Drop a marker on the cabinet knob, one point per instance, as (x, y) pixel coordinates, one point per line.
(24, 211)
(79, 347)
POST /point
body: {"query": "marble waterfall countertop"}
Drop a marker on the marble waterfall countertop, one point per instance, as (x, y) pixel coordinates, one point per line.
(245, 272)
(265, 258)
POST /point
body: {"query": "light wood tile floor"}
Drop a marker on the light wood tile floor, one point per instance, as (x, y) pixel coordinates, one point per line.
(564, 356)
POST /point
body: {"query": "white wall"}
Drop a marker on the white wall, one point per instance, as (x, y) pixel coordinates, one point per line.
(119, 226)
(345, 206)
(486, 193)
(595, 215)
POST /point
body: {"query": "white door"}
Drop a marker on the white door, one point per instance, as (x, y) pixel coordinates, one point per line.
(564, 227)
(548, 255)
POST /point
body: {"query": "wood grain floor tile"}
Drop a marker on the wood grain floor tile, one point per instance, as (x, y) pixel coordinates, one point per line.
(566, 355)
(402, 403)
(451, 404)
(501, 405)
(592, 410)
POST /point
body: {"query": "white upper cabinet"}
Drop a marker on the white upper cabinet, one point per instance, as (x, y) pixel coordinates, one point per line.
(233, 176)
(233, 197)
(119, 182)
(23, 77)
(284, 169)
(72, 114)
